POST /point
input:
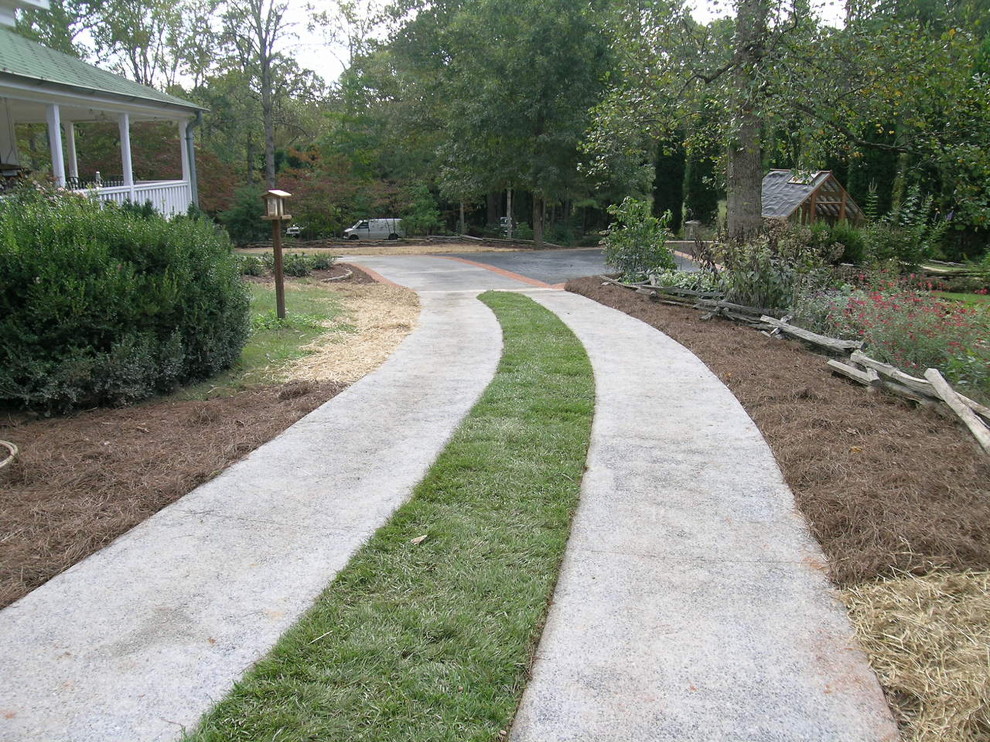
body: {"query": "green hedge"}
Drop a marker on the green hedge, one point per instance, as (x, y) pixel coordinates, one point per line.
(100, 305)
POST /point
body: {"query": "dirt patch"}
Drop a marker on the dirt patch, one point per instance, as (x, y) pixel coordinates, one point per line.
(343, 273)
(79, 482)
(886, 488)
(337, 273)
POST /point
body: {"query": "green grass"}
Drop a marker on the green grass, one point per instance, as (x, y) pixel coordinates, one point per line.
(433, 641)
(978, 299)
(273, 344)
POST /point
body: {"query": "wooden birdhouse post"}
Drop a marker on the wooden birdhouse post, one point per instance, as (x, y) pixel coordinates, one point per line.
(275, 213)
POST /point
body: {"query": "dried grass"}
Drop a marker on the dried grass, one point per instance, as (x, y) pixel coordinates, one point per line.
(928, 639)
(383, 316)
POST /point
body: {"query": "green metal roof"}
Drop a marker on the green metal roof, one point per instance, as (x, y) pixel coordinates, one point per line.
(35, 63)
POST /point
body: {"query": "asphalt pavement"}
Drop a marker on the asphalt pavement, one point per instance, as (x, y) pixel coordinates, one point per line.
(554, 266)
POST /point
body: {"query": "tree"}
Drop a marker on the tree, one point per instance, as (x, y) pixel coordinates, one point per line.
(668, 185)
(139, 39)
(253, 29)
(781, 87)
(349, 24)
(521, 78)
(60, 26)
(652, 109)
(744, 175)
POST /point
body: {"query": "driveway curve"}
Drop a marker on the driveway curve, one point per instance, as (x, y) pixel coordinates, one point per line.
(693, 602)
(136, 642)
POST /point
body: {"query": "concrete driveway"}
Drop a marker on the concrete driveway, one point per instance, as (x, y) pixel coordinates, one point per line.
(692, 603)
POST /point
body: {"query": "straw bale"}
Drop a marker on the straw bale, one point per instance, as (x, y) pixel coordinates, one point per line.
(928, 639)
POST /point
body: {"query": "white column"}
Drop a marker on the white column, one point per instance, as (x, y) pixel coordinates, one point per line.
(184, 149)
(70, 145)
(125, 152)
(55, 144)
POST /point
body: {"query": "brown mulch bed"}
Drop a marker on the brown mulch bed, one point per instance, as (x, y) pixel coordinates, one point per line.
(884, 486)
(79, 482)
(337, 273)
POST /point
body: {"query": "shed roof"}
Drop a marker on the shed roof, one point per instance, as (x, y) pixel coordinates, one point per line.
(784, 190)
(810, 195)
(34, 64)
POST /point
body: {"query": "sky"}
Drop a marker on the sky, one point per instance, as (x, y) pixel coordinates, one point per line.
(310, 48)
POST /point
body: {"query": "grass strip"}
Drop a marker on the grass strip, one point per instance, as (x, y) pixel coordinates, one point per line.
(433, 640)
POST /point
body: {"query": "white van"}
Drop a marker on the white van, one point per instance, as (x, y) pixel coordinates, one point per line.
(375, 229)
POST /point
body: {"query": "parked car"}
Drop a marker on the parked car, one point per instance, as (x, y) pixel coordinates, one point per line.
(294, 230)
(375, 229)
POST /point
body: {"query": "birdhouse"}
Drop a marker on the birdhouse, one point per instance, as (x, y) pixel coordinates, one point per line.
(275, 205)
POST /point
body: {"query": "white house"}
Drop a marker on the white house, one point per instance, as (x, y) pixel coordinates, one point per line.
(39, 85)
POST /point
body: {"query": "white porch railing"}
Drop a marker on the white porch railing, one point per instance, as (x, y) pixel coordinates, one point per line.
(168, 197)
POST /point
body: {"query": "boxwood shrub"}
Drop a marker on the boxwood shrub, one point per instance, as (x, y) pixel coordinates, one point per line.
(100, 305)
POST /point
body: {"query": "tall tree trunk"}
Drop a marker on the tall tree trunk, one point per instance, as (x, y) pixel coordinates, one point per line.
(491, 218)
(899, 187)
(253, 30)
(249, 151)
(668, 182)
(267, 21)
(508, 212)
(745, 161)
(268, 114)
(538, 220)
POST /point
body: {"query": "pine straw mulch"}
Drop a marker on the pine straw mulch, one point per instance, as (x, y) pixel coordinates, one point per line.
(81, 481)
(382, 316)
(928, 639)
(898, 497)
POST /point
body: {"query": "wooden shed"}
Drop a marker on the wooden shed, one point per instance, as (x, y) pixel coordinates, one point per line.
(807, 197)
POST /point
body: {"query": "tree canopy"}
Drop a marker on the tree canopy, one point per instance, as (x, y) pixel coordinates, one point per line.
(570, 106)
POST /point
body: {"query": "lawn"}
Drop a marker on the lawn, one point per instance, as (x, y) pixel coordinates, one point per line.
(311, 310)
(429, 631)
(978, 299)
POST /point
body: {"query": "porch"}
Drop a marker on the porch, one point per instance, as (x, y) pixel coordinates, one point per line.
(167, 197)
(44, 90)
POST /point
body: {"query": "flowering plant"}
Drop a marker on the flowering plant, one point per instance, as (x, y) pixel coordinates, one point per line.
(908, 328)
